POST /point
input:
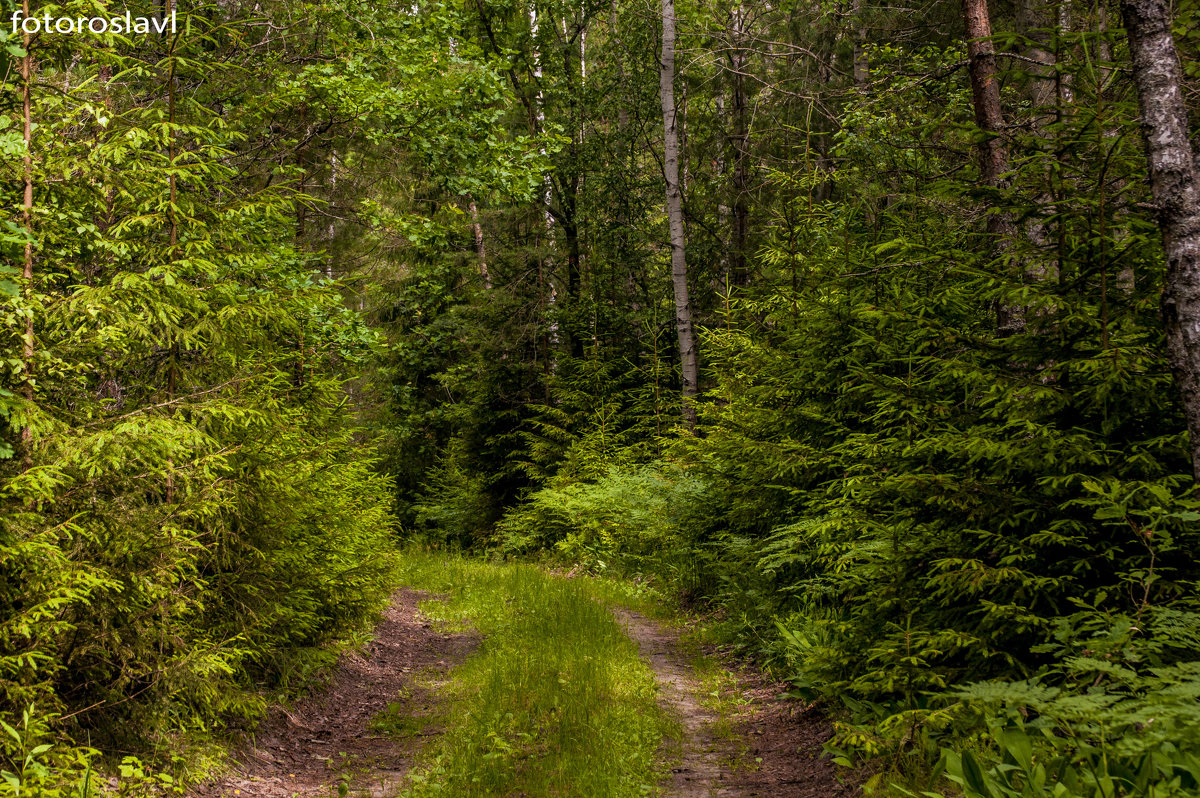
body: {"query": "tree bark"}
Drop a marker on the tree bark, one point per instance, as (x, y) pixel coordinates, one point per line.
(1034, 20)
(619, 58)
(331, 229)
(545, 262)
(993, 159)
(985, 90)
(741, 144)
(1175, 186)
(862, 67)
(1044, 89)
(688, 356)
(480, 249)
(27, 221)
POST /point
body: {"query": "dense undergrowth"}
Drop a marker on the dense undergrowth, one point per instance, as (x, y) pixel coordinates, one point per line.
(939, 481)
(193, 521)
(1011, 627)
(1100, 698)
(988, 572)
(194, 517)
(979, 549)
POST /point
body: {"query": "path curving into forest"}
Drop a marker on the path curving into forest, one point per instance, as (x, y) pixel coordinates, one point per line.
(772, 748)
(331, 743)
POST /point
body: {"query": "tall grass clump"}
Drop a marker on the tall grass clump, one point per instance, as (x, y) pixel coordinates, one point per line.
(554, 702)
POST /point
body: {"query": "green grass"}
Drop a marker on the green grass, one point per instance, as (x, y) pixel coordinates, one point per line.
(396, 721)
(554, 702)
(718, 690)
(632, 594)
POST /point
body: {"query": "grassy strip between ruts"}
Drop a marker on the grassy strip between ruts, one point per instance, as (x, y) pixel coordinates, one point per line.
(555, 701)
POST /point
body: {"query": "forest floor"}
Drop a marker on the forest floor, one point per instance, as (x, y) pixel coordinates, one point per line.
(440, 703)
(742, 737)
(339, 738)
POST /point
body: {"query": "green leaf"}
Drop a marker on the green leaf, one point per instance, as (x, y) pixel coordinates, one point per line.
(1017, 744)
(973, 775)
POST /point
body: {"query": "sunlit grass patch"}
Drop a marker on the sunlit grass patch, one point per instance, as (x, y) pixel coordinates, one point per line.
(633, 593)
(555, 701)
(398, 720)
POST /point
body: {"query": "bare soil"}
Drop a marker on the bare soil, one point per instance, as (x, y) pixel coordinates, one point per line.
(326, 741)
(771, 748)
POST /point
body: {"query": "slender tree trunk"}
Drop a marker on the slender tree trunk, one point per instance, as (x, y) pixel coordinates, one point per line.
(985, 90)
(724, 284)
(993, 159)
(331, 229)
(570, 228)
(1066, 98)
(741, 142)
(862, 67)
(1126, 278)
(1103, 48)
(569, 184)
(1063, 82)
(688, 355)
(27, 221)
(619, 58)
(545, 264)
(480, 249)
(173, 369)
(1175, 185)
(96, 268)
(1034, 19)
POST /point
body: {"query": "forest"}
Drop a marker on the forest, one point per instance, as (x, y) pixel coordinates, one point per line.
(867, 337)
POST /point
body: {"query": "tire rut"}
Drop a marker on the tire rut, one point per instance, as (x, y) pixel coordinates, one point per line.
(327, 739)
(775, 749)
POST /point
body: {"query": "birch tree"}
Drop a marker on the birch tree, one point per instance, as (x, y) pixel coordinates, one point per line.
(1175, 186)
(688, 355)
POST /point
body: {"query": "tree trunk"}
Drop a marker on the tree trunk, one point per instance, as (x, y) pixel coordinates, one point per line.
(993, 159)
(331, 229)
(619, 58)
(545, 262)
(1034, 19)
(480, 249)
(27, 221)
(1175, 185)
(985, 90)
(741, 157)
(862, 67)
(689, 362)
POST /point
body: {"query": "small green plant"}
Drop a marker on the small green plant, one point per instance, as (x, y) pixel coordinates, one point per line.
(639, 519)
(397, 720)
(1120, 716)
(32, 765)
